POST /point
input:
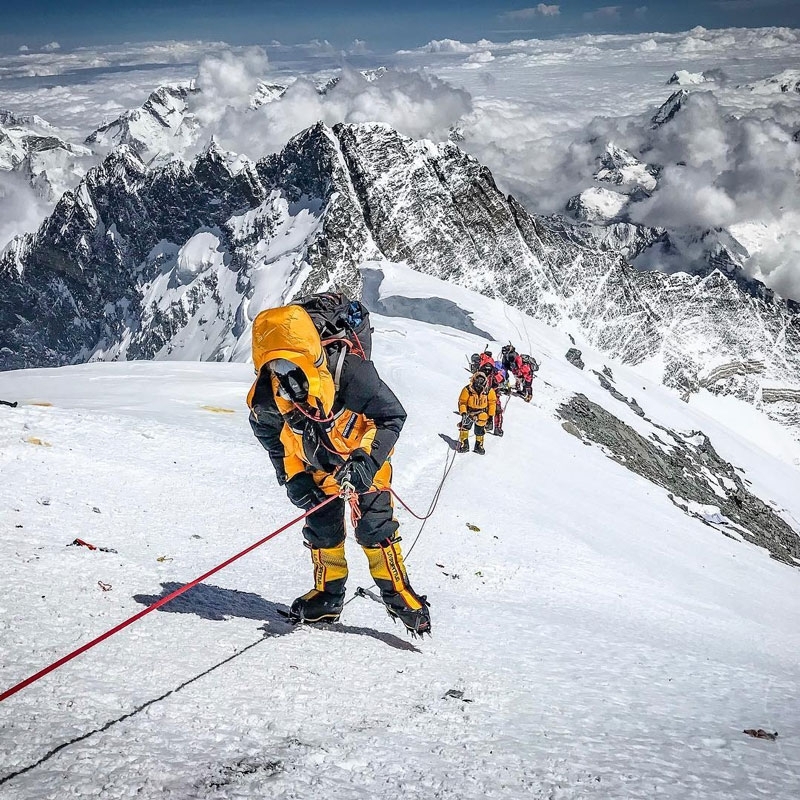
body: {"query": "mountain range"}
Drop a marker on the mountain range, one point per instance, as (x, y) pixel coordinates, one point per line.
(174, 262)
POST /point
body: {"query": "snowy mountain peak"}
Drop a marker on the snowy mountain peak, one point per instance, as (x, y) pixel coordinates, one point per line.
(621, 168)
(266, 93)
(597, 205)
(30, 146)
(369, 75)
(682, 77)
(12, 120)
(160, 127)
(786, 82)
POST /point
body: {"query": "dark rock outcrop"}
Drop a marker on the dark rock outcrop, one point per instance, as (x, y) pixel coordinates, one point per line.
(573, 355)
(690, 469)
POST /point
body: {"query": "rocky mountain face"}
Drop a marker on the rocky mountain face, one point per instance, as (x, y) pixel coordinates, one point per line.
(176, 261)
(605, 212)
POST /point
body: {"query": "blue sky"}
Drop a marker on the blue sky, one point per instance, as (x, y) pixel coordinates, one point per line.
(384, 24)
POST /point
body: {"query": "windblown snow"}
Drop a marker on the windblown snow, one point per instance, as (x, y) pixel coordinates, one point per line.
(590, 639)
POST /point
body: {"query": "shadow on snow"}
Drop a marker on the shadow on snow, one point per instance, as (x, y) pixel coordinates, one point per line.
(217, 604)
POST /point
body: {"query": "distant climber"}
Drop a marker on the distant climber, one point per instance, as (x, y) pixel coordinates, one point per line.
(477, 403)
(522, 367)
(508, 356)
(499, 383)
(479, 361)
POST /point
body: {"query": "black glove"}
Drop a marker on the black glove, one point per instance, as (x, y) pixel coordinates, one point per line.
(303, 492)
(465, 420)
(359, 471)
(490, 423)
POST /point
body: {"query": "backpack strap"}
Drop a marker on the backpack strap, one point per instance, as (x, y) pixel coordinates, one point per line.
(336, 356)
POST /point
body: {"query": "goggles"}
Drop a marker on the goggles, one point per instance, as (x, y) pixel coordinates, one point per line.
(292, 381)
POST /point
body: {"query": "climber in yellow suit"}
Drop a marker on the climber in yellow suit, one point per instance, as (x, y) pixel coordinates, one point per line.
(323, 425)
(477, 404)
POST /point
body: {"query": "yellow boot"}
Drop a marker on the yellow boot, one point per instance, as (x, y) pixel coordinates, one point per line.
(389, 573)
(463, 438)
(325, 601)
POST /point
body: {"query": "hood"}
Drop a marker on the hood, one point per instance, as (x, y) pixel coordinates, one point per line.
(288, 332)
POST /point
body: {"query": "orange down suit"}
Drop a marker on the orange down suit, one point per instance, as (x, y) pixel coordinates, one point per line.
(481, 407)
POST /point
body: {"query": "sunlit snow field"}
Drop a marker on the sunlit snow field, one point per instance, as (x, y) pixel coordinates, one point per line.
(604, 644)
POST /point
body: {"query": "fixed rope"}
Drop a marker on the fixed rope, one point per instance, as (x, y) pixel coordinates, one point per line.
(351, 499)
(449, 461)
(158, 604)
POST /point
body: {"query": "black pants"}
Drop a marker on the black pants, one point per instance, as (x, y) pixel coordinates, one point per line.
(325, 528)
(480, 430)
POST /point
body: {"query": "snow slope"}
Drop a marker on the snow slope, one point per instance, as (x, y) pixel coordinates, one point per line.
(606, 644)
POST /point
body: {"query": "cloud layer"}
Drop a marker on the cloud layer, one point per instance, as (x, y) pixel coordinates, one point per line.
(416, 104)
(537, 112)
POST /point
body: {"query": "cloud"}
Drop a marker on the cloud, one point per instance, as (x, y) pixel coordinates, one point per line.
(23, 48)
(51, 47)
(686, 198)
(735, 143)
(358, 47)
(228, 80)
(775, 261)
(320, 47)
(21, 211)
(445, 46)
(640, 12)
(603, 13)
(416, 104)
(144, 54)
(483, 57)
(527, 14)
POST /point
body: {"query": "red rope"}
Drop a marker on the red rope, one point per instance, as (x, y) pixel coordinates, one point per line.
(355, 511)
(163, 601)
(313, 417)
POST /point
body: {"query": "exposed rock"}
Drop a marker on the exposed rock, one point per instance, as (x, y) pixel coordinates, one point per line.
(573, 355)
(726, 371)
(622, 168)
(456, 134)
(177, 260)
(618, 238)
(572, 429)
(686, 465)
(780, 395)
(670, 107)
(631, 403)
